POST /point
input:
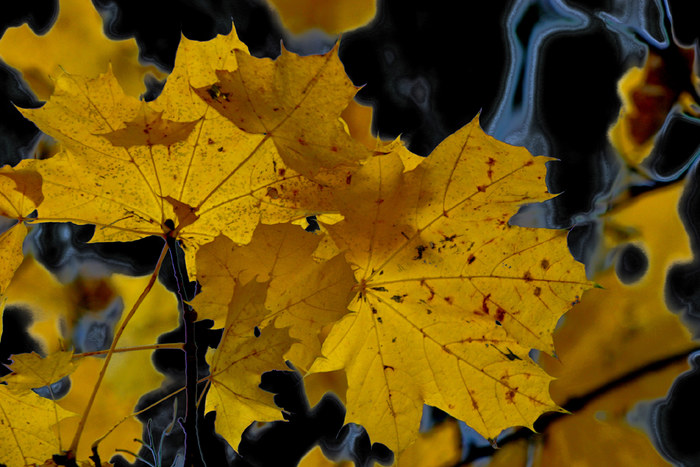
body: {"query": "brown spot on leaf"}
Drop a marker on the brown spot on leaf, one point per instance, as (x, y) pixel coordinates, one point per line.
(210, 141)
(348, 179)
(544, 264)
(471, 259)
(527, 276)
(220, 149)
(450, 300)
(538, 291)
(302, 141)
(272, 193)
(484, 303)
(481, 188)
(334, 148)
(500, 314)
(510, 395)
(282, 172)
(387, 367)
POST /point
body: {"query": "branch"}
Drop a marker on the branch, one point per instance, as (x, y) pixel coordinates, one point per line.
(577, 403)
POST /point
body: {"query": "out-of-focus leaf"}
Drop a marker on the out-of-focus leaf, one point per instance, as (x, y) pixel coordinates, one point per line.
(331, 16)
(613, 332)
(76, 43)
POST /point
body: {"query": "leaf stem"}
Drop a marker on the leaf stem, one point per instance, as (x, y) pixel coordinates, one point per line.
(83, 420)
(174, 345)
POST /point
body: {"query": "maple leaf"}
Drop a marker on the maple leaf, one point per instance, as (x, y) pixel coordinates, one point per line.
(27, 420)
(448, 287)
(196, 177)
(30, 371)
(244, 353)
(280, 99)
(20, 194)
(303, 294)
(78, 27)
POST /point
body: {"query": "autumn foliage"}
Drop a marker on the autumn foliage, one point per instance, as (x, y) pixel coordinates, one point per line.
(416, 286)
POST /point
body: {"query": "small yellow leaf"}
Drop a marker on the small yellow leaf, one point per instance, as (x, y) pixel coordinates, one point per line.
(27, 435)
(30, 371)
(238, 362)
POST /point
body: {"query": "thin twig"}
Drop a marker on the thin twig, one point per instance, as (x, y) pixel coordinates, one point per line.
(83, 420)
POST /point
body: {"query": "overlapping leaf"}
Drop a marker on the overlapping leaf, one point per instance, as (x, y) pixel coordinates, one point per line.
(451, 297)
(20, 194)
(302, 294)
(186, 167)
(242, 356)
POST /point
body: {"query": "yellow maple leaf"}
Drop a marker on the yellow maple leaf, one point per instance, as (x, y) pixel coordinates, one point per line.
(297, 102)
(189, 178)
(78, 28)
(451, 298)
(332, 16)
(303, 294)
(27, 426)
(30, 371)
(239, 360)
(20, 194)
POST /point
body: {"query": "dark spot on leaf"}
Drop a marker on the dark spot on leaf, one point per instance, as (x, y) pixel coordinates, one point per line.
(450, 300)
(221, 149)
(398, 298)
(302, 141)
(379, 318)
(510, 395)
(272, 193)
(214, 91)
(481, 188)
(393, 340)
(256, 331)
(374, 311)
(471, 259)
(387, 367)
(348, 179)
(210, 141)
(379, 289)
(544, 264)
(538, 291)
(429, 311)
(334, 149)
(419, 252)
(527, 276)
(498, 323)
